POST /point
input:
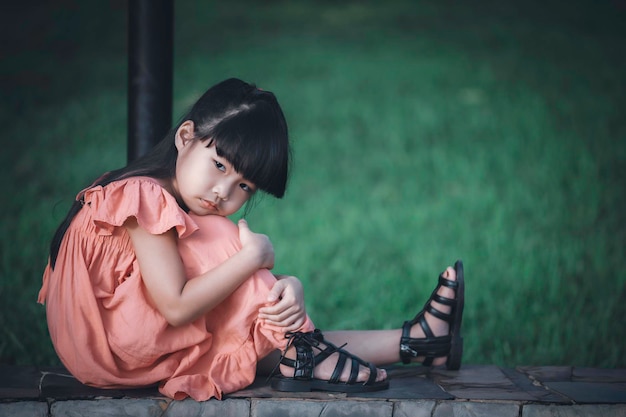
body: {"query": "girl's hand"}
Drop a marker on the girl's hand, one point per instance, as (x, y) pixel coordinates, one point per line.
(258, 245)
(288, 311)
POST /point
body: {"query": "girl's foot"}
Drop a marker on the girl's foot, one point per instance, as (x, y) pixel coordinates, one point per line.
(325, 369)
(433, 336)
(438, 326)
(312, 363)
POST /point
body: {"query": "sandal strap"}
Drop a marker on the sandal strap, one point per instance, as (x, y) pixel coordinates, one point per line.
(306, 360)
(448, 282)
(338, 368)
(305, 357)
(354, 372)
(450, 302)
(430, 346)
(448, 317)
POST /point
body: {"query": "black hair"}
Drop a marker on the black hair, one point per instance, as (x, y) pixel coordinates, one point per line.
(247, 127)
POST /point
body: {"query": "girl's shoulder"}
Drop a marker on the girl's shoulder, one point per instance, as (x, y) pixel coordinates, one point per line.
(141, 197)
(127, 187)
(148, 183)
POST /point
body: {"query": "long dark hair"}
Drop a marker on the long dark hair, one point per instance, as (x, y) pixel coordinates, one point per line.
(247, 127)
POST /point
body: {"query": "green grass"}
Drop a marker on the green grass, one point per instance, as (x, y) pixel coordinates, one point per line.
(422, 132)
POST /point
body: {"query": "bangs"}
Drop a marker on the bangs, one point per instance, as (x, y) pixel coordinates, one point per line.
(257, 146)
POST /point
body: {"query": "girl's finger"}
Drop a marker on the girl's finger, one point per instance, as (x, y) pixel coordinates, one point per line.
(281, 319)
(295, 326)
(276, 291)
(281, 316)
(273, 309)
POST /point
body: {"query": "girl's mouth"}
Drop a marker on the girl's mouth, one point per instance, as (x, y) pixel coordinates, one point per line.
(208, 205)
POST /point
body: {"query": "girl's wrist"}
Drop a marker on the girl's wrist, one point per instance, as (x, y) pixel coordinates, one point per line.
(253, 256)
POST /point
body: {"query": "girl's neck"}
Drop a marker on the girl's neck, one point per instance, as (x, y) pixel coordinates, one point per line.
(169, 184)
(165, 183)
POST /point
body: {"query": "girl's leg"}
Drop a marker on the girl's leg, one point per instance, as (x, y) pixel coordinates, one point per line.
(218, 239)
(381, 347)
(236, 317)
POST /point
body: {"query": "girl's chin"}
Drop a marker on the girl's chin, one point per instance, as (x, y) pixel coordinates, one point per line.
(206, 212)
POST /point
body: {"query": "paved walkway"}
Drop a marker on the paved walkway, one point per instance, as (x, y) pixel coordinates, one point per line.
(414, 392)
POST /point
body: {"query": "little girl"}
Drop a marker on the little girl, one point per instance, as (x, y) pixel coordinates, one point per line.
(149, 282)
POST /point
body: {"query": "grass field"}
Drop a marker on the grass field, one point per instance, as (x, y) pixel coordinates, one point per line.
(423, 132)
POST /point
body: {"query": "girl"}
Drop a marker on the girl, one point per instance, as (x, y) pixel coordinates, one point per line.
(149, 282)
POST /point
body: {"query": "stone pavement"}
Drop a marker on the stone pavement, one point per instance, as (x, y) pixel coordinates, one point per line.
(414, 392)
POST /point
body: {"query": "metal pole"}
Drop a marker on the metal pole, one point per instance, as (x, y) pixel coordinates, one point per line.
(150, 73)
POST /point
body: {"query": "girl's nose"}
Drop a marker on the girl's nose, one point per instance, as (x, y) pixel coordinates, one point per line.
(221, 192)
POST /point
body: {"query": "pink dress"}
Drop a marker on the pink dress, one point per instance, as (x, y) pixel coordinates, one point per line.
(104, 327)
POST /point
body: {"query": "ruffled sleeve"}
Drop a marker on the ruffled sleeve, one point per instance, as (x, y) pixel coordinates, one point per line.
(155, 209)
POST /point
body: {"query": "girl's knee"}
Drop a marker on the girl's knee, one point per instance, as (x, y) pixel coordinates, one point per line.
(216, 227)
(216, 240)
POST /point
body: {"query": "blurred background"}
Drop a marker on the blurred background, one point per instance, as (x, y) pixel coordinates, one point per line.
(423, 132)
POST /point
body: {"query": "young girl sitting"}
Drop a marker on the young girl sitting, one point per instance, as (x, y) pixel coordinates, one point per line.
(149, 282)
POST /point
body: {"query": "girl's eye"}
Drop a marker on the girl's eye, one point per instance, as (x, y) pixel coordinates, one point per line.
(220, 166)
(246, 188)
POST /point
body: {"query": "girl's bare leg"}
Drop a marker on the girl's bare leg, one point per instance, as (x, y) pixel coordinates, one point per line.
(380, 347)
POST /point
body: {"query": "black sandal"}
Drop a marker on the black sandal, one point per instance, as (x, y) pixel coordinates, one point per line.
(306, 361)
(432, 346)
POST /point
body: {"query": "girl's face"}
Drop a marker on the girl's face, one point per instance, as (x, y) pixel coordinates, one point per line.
(205, 182)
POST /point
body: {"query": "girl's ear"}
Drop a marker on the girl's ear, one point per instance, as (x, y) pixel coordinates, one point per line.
(184, 134)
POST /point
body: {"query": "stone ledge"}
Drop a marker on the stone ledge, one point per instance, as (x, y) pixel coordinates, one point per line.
(414, 391)
(129, 407)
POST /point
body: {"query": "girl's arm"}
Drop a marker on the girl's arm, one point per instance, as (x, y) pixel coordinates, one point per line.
(180, 300)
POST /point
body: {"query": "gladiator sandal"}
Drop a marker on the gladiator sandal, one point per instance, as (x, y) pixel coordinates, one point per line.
(311, 350)
(431, 346)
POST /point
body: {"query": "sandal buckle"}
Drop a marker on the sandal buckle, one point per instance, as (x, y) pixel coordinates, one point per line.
(407, 350)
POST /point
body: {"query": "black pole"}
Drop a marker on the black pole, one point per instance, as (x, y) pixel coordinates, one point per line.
(150, 73)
